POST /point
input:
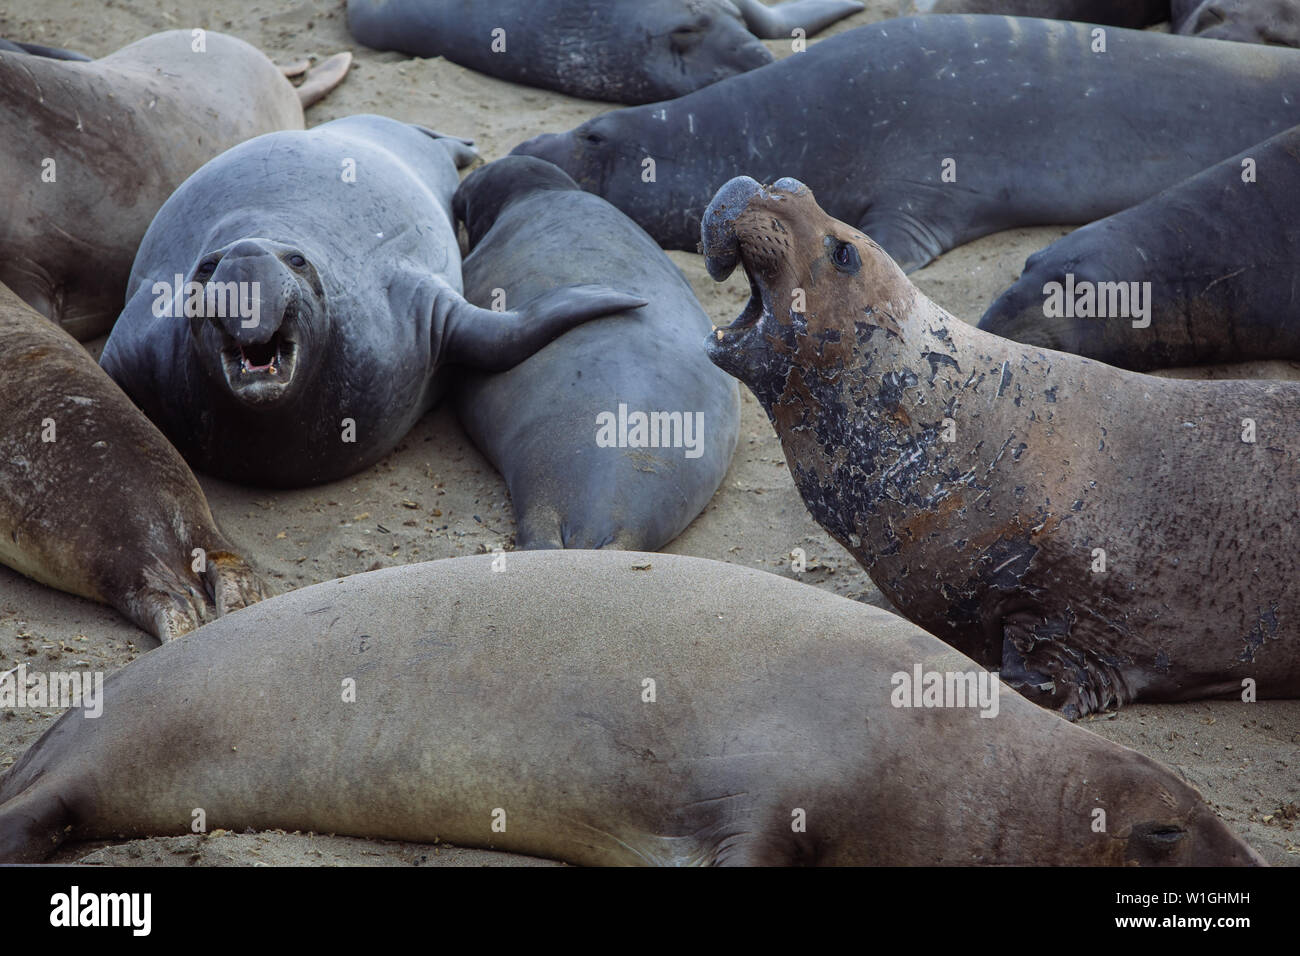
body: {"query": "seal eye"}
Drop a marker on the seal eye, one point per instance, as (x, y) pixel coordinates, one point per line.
(683, 38)
(297, 261)
(844, 255)
(595, 139)
(205, 269)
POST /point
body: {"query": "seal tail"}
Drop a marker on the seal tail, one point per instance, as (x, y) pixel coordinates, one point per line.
(321, 79)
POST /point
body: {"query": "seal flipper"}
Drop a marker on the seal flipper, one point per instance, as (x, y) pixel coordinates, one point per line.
(233, 582)
(497, 341)
(33, 822)
(462, 151)
(777, 23)
(322, 78)
(49, 52)
(910, 242)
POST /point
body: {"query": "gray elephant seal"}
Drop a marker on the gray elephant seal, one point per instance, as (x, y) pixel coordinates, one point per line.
(632, 51)
(330, 303)
(1202, 273)
(690, 712)
(93, 500)
(1048, 515)
(873, 119)
(573, 485)
(104, 144)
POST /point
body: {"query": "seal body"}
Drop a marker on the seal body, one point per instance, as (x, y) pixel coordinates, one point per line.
(550, 425)
(104, 143)
(627, 51)
(328, 286)
(1209, 264)
(1120, 13)
(92, 498)
(575, 707)
(1099, 536)
(927, 132)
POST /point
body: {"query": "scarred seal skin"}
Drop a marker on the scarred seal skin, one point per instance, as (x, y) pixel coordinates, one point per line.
(928, 132)
(331, 303)
(625, 51)
(93, 500)
(532, 229)
(1097, 535)
(103, 145)
(600, 707)
(1218, 251)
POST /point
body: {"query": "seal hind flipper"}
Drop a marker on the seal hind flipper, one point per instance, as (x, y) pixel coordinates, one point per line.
(322, 78)
(233, 582)
(812, 16)
(497, 341)
(167, 607)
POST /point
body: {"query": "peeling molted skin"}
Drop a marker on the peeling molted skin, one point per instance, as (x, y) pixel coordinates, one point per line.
(360, 307)
(625, 51)
(987, 541)
(1246, 21)
(532, 229)
(522, 691)
(107, 510)
(867, 118)
(1219, 253)
(125, 131)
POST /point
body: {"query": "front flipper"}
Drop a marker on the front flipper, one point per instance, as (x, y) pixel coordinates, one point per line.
(777, 23)
(910, 241)
(497, 341)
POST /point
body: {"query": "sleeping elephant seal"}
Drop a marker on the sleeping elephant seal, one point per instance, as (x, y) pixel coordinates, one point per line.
(1202, 273)
(1247, 21)
(626, 51)
(1048, 515)
(572, 484)
(294, 301)
(915, 130)
(599, 707)
(93, 500)
(103, 145)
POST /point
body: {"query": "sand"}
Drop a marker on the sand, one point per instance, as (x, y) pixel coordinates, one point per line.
(436, 497)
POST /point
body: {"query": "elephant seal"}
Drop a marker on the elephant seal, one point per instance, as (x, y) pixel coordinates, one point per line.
(1119, 13)
(1099, 536)
(632, 51)
(1247, 21)
(574, 483)
(1210, 263)
(93, 500)
(104, 144)
(599, 707)
(873, 120)
(329, 299)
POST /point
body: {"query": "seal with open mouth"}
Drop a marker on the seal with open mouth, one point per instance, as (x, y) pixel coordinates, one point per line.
(600, 707)
(1099, 536)
(294, 301)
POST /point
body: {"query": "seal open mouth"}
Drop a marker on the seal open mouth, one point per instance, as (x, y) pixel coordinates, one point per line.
(272, 362)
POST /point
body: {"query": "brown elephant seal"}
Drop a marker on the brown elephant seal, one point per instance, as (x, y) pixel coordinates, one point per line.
(596, 707)
(93, 500)
(1099, 536)
(104, 144)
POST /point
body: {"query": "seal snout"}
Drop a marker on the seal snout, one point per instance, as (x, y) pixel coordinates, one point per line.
(718, 239)
(254, 305)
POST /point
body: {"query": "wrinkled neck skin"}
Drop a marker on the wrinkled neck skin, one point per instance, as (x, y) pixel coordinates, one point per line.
(946, 529)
